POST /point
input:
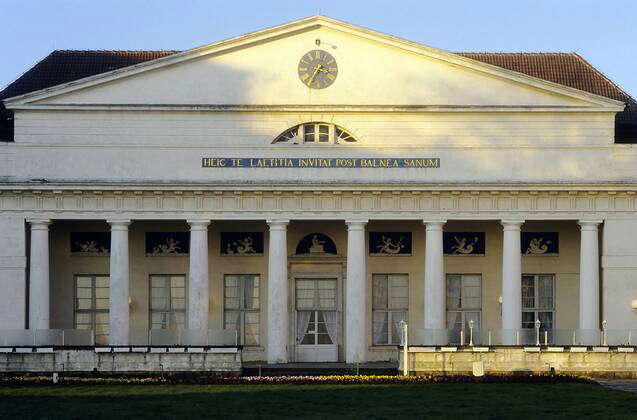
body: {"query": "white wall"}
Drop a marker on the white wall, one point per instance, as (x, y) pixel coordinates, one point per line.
(12, 272)
(168, 147)
(619, 267)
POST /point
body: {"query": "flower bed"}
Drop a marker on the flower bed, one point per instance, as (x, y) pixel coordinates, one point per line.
(294, 380)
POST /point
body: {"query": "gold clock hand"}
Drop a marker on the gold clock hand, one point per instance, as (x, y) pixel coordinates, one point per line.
(316, 70)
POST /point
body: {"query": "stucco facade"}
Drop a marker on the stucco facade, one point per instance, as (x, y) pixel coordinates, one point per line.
(122, 151)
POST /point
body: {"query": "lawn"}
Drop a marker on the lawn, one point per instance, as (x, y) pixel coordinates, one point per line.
(445, 400)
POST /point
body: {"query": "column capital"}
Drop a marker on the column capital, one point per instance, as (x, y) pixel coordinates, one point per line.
(198, 224)
(356, 224)
(433, 225)
(39, 224)
(589, 225)
(278, 224)
(119, 224)
(512, 224)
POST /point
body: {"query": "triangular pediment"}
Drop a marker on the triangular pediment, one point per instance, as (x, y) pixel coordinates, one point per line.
(261, 69)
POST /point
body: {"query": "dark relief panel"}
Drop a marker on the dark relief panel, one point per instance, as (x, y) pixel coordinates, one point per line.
(242, 243)
(389, 243)
(464, 243)
(91, 243)
(540, 243)
(316, 244)
(167, 243)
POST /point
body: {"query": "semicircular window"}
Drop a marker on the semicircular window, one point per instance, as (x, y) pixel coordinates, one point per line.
(315, 133)
(316, 244)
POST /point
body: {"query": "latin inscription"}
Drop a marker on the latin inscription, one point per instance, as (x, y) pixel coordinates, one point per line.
(211, 162)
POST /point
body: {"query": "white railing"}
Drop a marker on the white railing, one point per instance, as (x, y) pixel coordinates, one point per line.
(524, 337)
(82, 338)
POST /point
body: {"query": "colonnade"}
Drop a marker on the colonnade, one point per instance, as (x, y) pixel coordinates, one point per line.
(277, 305)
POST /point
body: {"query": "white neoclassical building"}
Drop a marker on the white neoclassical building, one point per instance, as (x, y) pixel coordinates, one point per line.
(302, 192)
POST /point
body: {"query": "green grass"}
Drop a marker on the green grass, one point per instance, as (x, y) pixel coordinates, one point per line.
(447, 400)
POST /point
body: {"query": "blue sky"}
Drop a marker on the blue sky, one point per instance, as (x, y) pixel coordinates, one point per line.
(604, 32)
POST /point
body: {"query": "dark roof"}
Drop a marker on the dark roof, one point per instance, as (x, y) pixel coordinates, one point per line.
(567, 69)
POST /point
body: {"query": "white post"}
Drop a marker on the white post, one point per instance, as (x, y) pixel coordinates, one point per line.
(119, 287)
(434, 280)
(589, 282)
(198, 281)
(355, 326)
(39, 288)
(278, 292)
(405, 348)
(511, 282)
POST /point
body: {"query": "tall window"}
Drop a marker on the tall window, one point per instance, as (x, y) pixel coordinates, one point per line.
(167, 302)
(316, 311)
(91, 306)
(464, 303)
(390, 296)
(538, 300)
(315, 133)
(241, 306)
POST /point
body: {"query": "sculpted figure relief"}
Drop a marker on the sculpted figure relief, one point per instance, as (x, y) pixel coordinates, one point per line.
(537, 247)
(91, 246)
(317, 246)
(170, 247)
(390, 247)
(462, 247)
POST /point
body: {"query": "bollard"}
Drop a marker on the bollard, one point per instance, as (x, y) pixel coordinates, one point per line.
(405, 350)
(604, 325)
(55, 377)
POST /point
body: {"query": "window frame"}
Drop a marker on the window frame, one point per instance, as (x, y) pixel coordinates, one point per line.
(536, 309)
(462, 309)
(171, 310)
(242, 309)
(390, 311)
(335, 135)
(93, 311)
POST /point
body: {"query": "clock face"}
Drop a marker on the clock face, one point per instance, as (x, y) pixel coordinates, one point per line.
(317, 69)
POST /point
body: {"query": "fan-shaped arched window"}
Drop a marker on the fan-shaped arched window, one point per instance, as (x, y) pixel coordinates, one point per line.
(315, 133)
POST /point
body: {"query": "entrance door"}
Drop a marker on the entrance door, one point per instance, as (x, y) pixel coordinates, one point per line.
(316, 320)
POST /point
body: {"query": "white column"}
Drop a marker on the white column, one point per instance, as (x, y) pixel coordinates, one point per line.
(434, 281)
(278, 292)
(198, 281)
(39, 275)
(589, 278)
(511, 281)
(355, 297)
(119, 287)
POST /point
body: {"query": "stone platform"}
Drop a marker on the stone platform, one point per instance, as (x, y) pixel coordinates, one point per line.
(602, 362)
(225, 360)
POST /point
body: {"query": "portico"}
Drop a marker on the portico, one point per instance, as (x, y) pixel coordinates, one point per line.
(355, 269)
